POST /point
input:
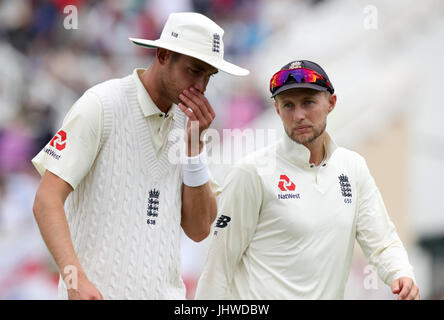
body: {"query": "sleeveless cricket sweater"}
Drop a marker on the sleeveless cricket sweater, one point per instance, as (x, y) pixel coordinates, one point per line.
(125, 214)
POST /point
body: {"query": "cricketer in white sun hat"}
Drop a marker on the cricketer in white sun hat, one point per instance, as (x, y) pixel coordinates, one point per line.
(194, 35)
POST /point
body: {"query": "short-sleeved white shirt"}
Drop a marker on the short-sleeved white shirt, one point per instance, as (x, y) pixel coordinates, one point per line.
(72, 151)
(289, 233)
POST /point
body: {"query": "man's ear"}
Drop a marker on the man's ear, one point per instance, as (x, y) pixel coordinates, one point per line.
(163, 55)
(277, 108)
(332, 102)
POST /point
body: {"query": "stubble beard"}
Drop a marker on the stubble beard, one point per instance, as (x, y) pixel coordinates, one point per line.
(168, 87)
(304, 139)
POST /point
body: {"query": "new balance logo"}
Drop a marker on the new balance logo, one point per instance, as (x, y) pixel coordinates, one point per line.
(223, 221)
(285, 184)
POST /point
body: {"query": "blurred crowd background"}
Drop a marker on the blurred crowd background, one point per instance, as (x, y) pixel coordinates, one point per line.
(383, 57)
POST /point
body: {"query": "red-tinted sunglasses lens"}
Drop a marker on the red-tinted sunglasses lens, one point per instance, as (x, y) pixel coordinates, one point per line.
(300, 75)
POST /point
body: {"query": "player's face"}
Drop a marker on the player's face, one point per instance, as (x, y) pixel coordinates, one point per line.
(183, 72)
(304, 113)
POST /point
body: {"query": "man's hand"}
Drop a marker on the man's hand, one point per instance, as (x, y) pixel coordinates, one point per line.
(85, 290)
(199, 206)
(406, 289)
(197, 108)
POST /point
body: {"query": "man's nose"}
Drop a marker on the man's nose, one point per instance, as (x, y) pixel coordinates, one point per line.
(298, 114)
(201, 84)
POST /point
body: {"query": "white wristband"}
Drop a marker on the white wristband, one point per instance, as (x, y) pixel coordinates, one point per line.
(195, 170)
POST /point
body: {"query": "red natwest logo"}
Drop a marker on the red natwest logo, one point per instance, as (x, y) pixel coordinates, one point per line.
(59, 140)
(285, 184)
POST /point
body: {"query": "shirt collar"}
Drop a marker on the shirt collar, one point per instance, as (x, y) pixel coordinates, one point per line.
(147, 105)
(296, 152)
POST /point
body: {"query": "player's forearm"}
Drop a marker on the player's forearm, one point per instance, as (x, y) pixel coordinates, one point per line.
(199, 209)
(51, 219)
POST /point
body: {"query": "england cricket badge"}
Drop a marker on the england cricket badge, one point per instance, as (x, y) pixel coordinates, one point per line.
(153, 206)
(345, 186)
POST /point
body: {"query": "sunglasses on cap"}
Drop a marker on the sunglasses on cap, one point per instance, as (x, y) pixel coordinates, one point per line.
(301, 75)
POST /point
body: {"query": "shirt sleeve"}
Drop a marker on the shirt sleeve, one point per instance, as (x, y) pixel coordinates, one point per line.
(216, 188)
(238, 211)
(376, 233)
(72, 151)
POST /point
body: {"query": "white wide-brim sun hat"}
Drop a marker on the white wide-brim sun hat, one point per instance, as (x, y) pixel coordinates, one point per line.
(194, 35)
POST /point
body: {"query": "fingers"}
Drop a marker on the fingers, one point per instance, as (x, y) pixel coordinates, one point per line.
(98, 296)
(201, 109)
(206, 102)
(409, 290)
(86, 291)
(188, 112)
(395, 286)
(405, 286)
(189, 101)
(414, 293)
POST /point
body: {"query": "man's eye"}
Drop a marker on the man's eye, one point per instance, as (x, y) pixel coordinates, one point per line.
(194, 71)
(308, 101)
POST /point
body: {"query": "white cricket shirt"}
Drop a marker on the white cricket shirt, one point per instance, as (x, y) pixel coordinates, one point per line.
(125, 210)
(84, 122)
(289, 233)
